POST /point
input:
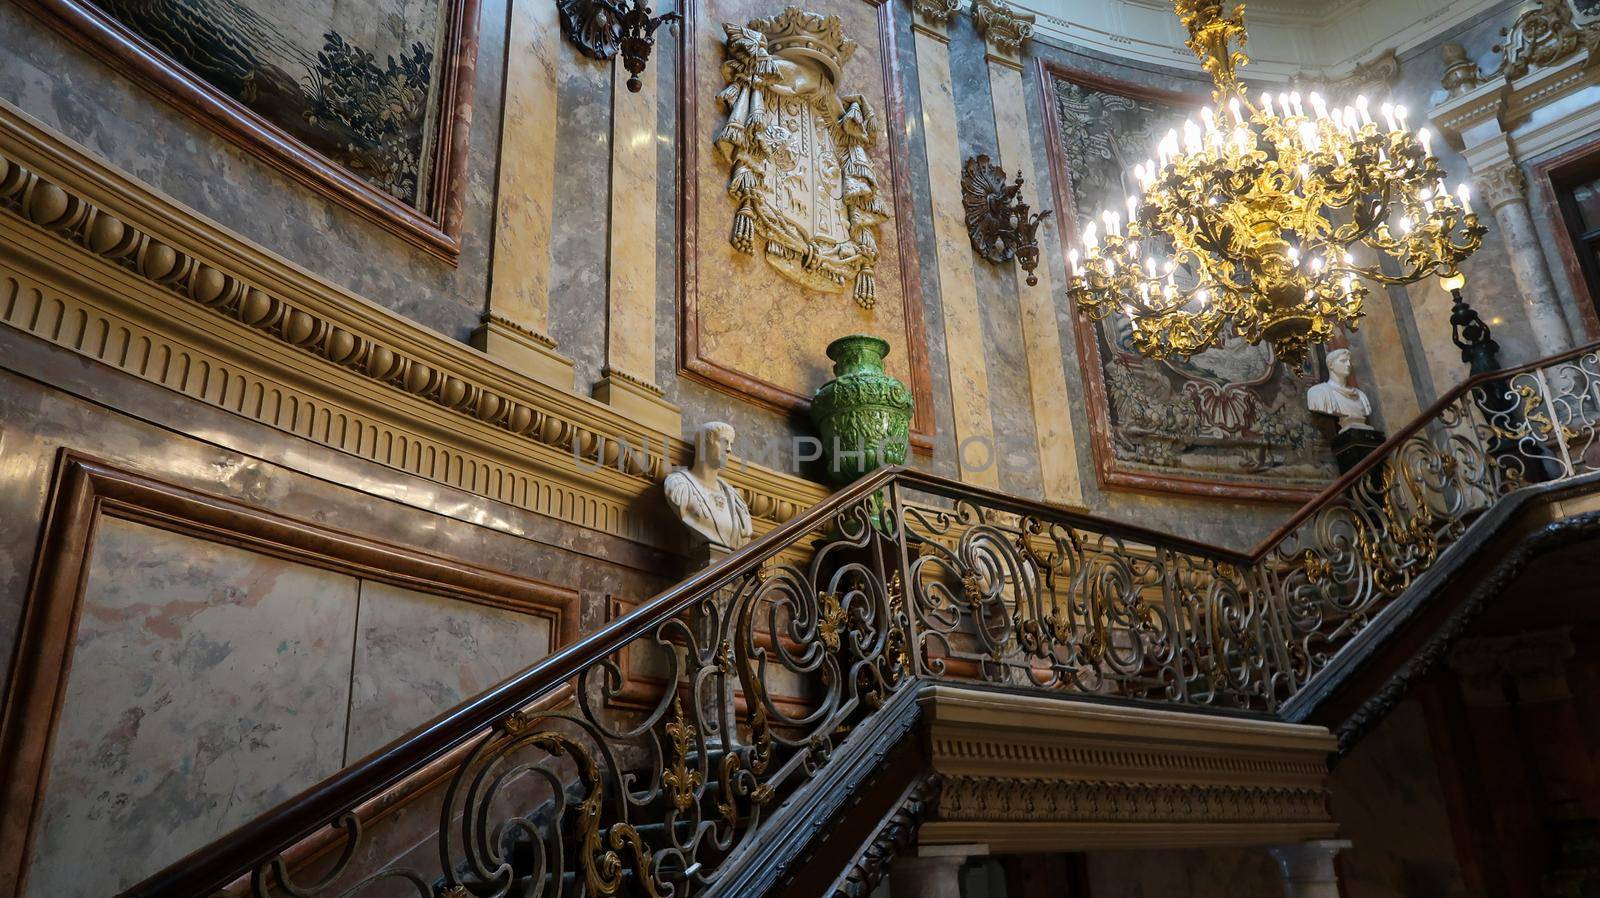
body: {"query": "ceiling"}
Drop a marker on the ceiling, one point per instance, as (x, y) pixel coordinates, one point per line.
(1287, 37)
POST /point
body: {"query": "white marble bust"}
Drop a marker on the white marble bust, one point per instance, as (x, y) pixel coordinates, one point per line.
(708, 505)
(1336, 396)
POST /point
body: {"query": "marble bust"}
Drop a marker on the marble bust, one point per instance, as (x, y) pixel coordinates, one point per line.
(1336, 396)
(708, 505)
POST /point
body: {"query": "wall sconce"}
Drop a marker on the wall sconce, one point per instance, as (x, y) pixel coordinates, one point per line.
(600, 28)
(998, 220)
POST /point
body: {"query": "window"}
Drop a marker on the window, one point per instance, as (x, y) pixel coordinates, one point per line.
(1578, 195)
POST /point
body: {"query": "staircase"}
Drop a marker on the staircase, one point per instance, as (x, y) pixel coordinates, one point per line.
(747, 732)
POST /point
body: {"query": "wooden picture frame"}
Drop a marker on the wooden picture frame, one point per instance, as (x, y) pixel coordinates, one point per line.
(433, 226)
(85, 489)
(1110, 473)
(692, 363)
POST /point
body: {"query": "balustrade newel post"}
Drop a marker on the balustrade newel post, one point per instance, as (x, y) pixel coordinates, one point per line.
(896, 504)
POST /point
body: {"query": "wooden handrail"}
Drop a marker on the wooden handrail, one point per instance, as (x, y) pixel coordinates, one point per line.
(209, 869)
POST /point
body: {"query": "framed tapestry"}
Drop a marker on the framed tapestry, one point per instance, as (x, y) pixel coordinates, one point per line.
(1230, 422)
(796, 199)
(365, 101)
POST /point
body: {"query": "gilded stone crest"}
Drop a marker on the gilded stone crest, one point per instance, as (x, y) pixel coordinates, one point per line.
(806, 189)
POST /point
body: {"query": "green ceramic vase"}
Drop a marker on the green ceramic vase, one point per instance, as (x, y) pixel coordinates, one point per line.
(863, 415)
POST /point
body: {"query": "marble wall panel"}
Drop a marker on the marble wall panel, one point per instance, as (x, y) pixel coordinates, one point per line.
(763, 434)
(1015, 452)
(1390, 805)
(581, 203)
(1490, 287)
(48, 76)
(208, 684)
(242, 460)
(1188, 873)
(417, 655)
(942, 458)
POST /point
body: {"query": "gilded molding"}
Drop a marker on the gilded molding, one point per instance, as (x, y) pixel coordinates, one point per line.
(938, 12)
(977, 798)
(1376, 76)
(1542, 35)
(1502, 184)
(1022, 772)
(102, 265)
(896, 834)
(492, 317)
(1004, 28)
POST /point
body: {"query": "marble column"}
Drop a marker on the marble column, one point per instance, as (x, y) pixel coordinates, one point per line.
(1504, 189)
(628, 381)
(1308, 868)
(1005, 33)
(958, 289)
(516, 324)
(933, 875)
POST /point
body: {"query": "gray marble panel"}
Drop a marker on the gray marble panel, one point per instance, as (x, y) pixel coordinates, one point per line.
(943, 458)
(1016, 448)
(1190, 873)
(1387, 797)
(764, 436)
(582, 204)
(417, 655)
(208, 684)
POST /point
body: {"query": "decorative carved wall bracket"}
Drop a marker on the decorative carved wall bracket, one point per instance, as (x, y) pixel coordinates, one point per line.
(600, 29)
(1542, 35)
(1002, 26)
(998, 219)
(1377, 76)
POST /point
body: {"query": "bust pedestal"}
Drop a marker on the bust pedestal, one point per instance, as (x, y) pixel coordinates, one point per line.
(703, 555)
(1351, 444)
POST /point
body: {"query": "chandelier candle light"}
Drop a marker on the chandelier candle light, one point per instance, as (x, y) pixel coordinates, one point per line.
(1269, 215)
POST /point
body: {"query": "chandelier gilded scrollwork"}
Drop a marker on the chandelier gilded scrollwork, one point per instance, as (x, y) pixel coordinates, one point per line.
(1268, 218)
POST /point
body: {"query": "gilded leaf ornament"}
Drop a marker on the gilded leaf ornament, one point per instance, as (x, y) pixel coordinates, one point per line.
(806, 188)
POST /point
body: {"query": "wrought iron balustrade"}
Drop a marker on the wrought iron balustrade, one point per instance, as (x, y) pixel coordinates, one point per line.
(648, 758)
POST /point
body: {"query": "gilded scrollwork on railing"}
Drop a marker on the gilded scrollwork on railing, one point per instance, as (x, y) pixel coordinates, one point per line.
(1042, 602)
(586, 799)
(765, 669)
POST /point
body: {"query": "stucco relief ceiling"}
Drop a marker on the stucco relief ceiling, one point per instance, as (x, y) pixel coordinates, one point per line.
(1287, 37)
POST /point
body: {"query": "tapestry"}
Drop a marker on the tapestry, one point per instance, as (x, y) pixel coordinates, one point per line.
(358, 82)
(1229, 421)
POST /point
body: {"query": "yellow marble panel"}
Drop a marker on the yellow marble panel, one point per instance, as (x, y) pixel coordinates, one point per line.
(1041, 335)
(749, 319)
(1395, 393)
(631, 334)
(958, 290)
(520, 290)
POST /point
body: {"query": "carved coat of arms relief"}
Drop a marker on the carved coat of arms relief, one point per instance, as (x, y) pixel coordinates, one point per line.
(805, 186)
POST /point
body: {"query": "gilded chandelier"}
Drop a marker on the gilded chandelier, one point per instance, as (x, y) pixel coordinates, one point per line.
(1269, 218)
